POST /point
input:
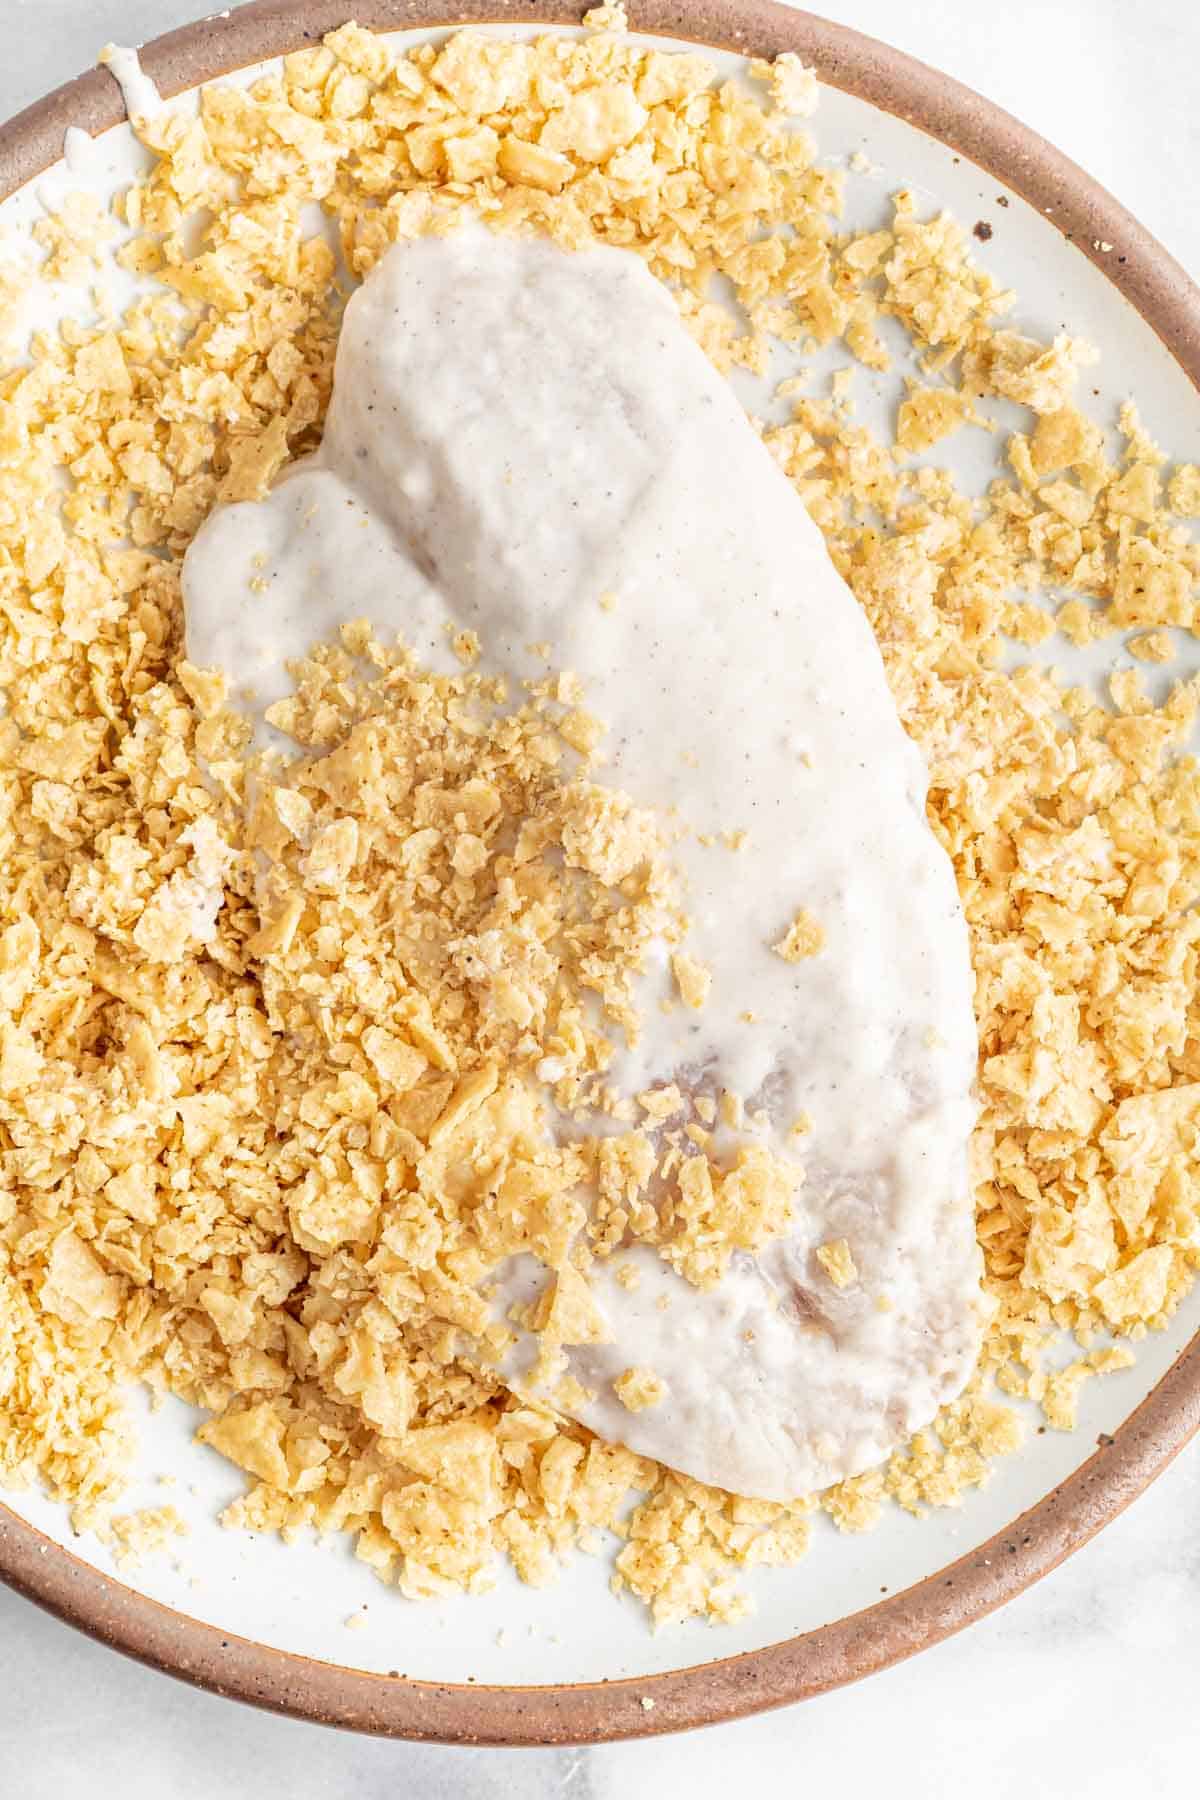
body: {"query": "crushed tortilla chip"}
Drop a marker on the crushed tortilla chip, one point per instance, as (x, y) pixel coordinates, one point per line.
(637, 1389)
(805, 936)
(838, 1262)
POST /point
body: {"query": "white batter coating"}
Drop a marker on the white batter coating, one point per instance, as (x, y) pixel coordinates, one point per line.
(516, 432)
(139, 94)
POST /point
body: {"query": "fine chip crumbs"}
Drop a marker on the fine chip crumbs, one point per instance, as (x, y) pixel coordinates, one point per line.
(135, 1537)
(269, 1093)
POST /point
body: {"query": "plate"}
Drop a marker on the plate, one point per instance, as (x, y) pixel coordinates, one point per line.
(252, 1619)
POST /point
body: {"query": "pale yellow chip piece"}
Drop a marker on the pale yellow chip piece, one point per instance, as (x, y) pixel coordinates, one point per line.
(804, 937)
(838, 1262)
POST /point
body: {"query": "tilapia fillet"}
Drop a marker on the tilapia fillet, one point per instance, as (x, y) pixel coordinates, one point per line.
(516, 435)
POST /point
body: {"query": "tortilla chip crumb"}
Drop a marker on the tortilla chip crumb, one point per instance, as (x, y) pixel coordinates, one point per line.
(74, 237)
(692, 979)
(137, 1536)
(1153, 647)
(838, 1262)
(795, 90)
(805, 937)
(685, 1543)
(638, 1389)
(1183, 491)
(928, 415)
(606, 18)
(16, 274)
(1060, 1401)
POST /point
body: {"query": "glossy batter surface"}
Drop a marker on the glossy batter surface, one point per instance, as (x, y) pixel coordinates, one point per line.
(527, 444)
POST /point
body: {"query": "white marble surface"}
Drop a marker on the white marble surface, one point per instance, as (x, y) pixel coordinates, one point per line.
(1084, 1686)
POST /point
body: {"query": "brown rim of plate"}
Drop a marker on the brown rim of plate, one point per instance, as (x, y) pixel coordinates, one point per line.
(1123, 1465)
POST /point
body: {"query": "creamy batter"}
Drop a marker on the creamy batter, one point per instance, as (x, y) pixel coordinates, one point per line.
(79, 151)
(516, 436)
(139, 94)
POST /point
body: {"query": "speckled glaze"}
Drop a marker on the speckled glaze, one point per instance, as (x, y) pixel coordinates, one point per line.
(1122, 1465)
